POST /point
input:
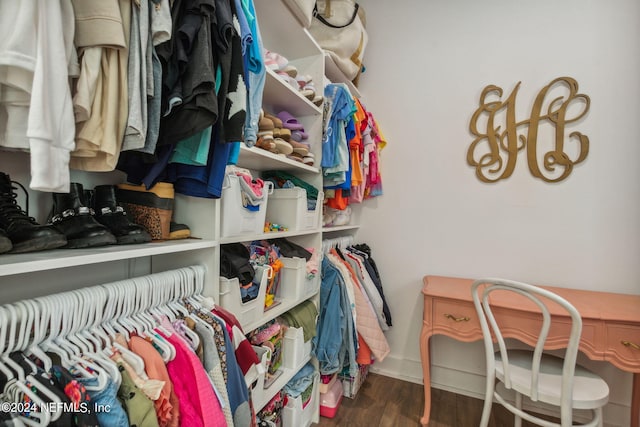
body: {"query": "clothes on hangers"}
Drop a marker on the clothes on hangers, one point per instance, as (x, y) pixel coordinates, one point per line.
(352, 143)
(184, 391)
(336, 342)
(166, 405)
(370, 265)
(349, 298)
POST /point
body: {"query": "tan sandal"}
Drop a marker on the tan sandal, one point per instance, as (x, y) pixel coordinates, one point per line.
(276, 121)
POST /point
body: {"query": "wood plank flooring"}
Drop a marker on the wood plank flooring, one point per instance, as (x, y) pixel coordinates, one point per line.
(388, 402)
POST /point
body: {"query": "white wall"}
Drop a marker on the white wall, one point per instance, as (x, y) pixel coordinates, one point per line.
(427, 63)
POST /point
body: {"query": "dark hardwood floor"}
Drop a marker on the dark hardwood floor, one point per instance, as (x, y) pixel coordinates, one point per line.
(388, 402)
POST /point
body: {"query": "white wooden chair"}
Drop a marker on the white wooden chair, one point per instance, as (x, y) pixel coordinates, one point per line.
(539, 376)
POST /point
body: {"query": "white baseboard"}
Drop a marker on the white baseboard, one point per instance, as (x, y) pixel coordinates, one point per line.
(471, 384)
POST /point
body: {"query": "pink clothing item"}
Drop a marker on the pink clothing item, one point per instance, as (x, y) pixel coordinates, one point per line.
(193, 387)
(313, 263)
(255, 184)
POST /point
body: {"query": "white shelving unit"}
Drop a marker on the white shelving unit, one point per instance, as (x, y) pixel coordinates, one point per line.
(283, 34)
(40, 273)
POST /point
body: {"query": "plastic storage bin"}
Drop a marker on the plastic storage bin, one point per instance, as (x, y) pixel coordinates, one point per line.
(324, 387)
(295, 352)
(231, 299)
(288, 207)
(258, 390)
(295, 414)
(330, 401)
(294, 283)
(237, 220)
(351, 385)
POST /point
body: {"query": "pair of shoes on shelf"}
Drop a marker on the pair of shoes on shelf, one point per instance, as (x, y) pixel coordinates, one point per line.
(279, 64)
(73, 221)
(303, 83)
(91, 218)
(284, 133)
(298, 137)
(334, 217)
(307, 159)
(307, 88)
(266, 135)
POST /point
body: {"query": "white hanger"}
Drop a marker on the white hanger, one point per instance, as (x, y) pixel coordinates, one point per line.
(26, 322)
(181, 290)
(12, 320)
(82, 366)
(55, 319)
(16, 390)
(4, 323)
(144, 293)
(87, 298)
(136, 292)
(39, 312)
(158, 309)
(64, 305)
(115, 291)
(197, 284)
(14, 387)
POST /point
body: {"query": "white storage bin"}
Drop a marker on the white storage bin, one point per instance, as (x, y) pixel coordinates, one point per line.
(235, 219)
(294, 284)
(231, 299)
(258, 392)
(288, 207)
(294, 414)
(295, 352)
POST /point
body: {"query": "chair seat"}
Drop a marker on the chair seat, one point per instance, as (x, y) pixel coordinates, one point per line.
(589, 390)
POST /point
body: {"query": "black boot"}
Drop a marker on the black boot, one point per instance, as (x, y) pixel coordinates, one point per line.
(109, 213)
(71, 216)
(5, 242)
(25, 233)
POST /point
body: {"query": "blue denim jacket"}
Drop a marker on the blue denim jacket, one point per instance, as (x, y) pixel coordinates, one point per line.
(334, 345)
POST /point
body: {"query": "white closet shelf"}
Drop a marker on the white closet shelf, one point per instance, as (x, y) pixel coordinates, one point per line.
(263, 160)
(266, 236)
(340, 228)
(63, 258)
(279, 95)
(284, 306)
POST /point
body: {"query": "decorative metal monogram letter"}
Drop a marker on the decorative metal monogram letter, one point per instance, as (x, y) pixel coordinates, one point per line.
(494, 151)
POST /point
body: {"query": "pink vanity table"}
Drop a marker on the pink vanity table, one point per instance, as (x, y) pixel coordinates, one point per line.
(610, 330)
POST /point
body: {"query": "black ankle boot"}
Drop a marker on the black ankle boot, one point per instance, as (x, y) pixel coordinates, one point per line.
(5, 242)
(72, 217)
(109, 213)
(25, 233)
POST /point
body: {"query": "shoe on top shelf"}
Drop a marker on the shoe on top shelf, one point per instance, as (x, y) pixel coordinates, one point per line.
(25, 233)
(71, 216)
